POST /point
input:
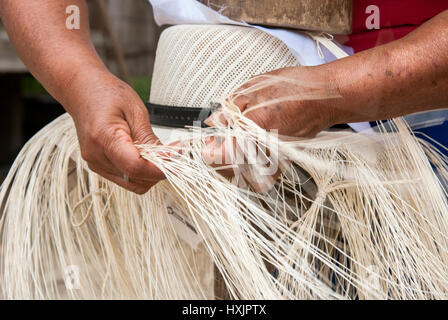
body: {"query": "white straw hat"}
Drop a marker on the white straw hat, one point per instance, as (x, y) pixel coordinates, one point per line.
(196, 65)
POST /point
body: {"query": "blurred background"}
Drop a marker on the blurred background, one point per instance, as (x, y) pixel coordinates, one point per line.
(125, 36)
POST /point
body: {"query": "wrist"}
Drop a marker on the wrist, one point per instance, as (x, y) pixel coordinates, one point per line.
(353, 88)
(82, 86)
(333, 105)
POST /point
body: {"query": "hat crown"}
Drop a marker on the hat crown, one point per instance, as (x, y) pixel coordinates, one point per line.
(199, 64)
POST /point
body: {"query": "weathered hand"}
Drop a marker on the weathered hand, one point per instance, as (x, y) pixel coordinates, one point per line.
(295, 101)
(109, 117)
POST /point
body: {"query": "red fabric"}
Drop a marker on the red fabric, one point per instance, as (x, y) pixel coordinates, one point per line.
(397, 19)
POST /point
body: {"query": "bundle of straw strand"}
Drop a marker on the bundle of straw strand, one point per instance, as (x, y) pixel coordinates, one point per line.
(352, 216)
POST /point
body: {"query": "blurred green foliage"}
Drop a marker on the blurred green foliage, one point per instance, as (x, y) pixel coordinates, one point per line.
(141, 85)
(32, 87)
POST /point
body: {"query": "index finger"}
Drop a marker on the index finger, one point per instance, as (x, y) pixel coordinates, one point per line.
(123, 154)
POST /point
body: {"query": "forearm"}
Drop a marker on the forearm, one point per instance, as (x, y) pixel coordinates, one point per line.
(406, 76)
(108, 114)
(55, 55)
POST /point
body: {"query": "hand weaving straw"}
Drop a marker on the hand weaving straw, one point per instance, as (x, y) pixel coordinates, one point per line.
(352, 215)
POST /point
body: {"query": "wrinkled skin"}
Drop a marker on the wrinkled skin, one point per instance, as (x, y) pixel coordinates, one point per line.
(115, 118)
(109, 116)
(405, 76)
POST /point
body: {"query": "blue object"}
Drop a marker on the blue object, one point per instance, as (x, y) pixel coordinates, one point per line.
(438, 133)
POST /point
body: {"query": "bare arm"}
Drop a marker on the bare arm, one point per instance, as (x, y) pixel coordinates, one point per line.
(107, 113)
(405, 76)
(54, 54)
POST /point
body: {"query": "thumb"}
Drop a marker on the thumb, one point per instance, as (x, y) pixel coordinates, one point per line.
(141, 131)
(218, 118)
